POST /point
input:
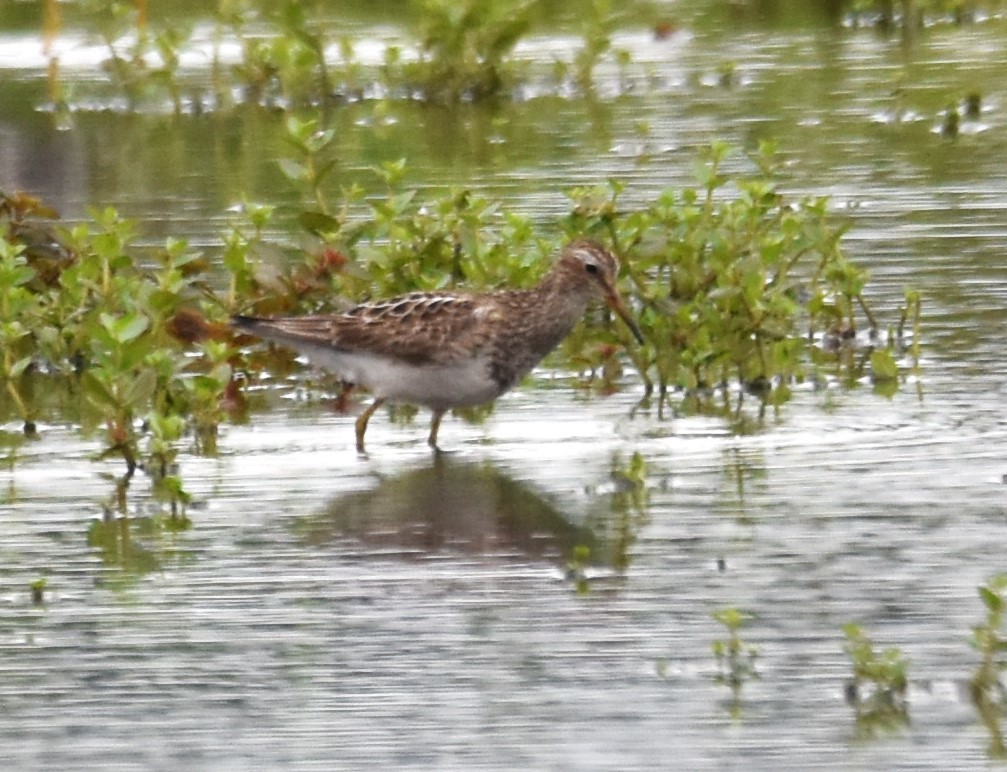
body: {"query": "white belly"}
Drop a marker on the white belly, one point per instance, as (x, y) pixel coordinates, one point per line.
(438, 387)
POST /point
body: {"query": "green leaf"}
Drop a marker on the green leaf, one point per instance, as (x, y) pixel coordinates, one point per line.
(292, 170)
(259, 214)
(298, 131)
(97, 390)
(221, 374)
(142, 388)
(323, 169)
(731, 618)
(125, 328)
(318, 222)
(19, 367)
(167, 427)
(883, 366)
(992, 600)
(319, 140)
(16, 275)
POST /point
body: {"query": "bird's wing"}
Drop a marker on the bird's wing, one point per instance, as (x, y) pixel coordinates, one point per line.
(419, 328)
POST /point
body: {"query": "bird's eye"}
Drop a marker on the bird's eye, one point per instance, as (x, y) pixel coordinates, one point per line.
(590, 267)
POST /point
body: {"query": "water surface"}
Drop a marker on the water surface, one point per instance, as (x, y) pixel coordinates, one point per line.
(330, 611)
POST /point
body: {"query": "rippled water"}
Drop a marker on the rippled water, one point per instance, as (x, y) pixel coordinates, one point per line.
(328, 611)
(396, 610)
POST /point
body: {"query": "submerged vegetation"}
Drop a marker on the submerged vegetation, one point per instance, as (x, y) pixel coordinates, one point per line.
(914, 14)
(877, 690)
(989, 694)
(735, 657)
(291, 55)
(454, 51)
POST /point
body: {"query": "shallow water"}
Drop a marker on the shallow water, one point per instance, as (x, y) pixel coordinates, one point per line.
(324, 610)
(330, 611)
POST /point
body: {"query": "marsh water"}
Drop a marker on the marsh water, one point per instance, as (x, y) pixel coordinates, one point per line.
(409, 611)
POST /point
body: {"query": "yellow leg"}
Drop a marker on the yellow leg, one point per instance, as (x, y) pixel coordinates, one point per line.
(435, 424)
(362, 420)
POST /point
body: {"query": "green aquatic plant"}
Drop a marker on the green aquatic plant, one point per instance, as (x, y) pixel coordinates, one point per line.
(972, 106)
(599, 24)
(286, 67)
(143, 61)
(91, 314)
(31, 260)
(576, 568)
(951, 121)
(118, 383)
(737, 289)
(168, 44)
(123, 29)
(910, 17)
(37, 588)
(315, 159)
(734, 656)
(17, 306)
(465, 45)
(736, 283)
(464, 52)
(990, 641)
(877, 689)
(911, 314)
(987, 688)
(385, 245)
(302, 64)
(242, 254)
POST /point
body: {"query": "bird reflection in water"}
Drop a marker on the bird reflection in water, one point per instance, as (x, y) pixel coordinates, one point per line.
(467, 508)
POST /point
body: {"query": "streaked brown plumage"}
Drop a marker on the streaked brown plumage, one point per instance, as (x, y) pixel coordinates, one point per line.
(448, 349)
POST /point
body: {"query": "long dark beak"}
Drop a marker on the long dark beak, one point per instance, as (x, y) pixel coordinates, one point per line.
(615, 303)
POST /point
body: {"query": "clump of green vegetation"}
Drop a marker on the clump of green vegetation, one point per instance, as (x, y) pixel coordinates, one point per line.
(285, 69)
(877, 690)
(989, 641)
(735, 657)
(143, 62)
(576, 568)
(463, 50)
(82, 307)
(750, 288)
(15, 298)
(37, 588)
(600, 22)
(464, 47)
(912, 15)
(738, 291)
(987, 688)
